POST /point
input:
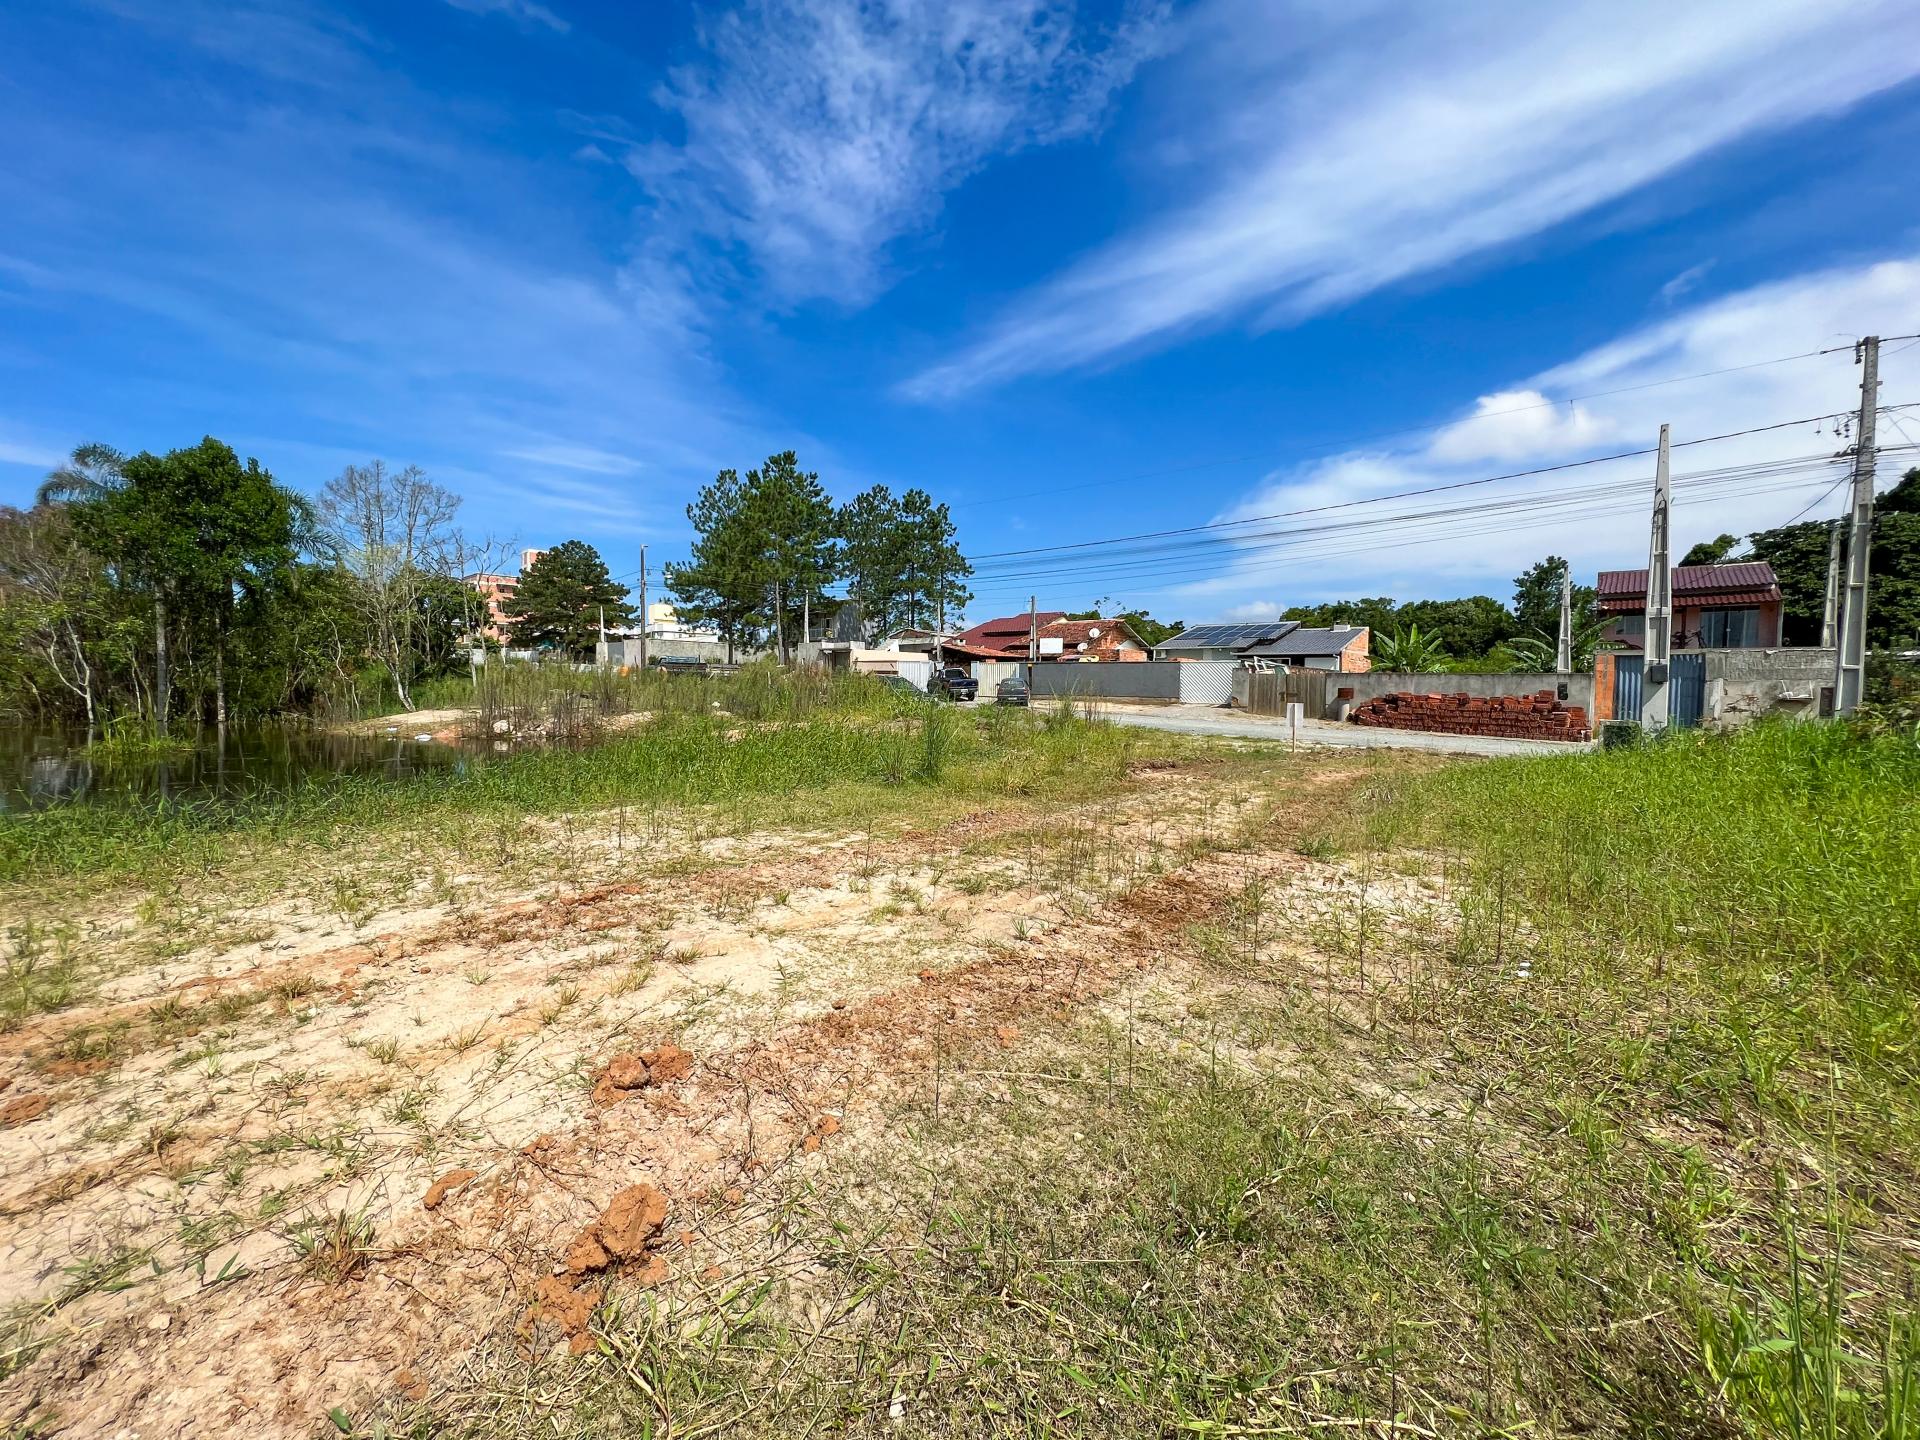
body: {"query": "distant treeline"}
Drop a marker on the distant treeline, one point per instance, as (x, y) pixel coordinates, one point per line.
(154, 590)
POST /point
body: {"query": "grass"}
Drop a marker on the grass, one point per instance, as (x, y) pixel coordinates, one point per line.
(1584, 1099)
(724, 741)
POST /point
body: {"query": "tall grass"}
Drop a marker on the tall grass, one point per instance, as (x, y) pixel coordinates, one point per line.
(1719, 932)
(714, 742)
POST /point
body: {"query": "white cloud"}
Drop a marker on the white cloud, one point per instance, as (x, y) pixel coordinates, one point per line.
(40, 457)
(1252, 611)
(1341, 149)
(819, 131)
(575, 457)
(1517, 425)
(526, 12)
(1471, 553)
(1685, 281)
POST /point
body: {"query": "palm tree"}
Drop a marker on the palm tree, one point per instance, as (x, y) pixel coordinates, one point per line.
(90, 473)
(1410, 652)
(1538, 654)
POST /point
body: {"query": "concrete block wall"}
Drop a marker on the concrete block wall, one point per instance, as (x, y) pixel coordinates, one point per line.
(1743, 685)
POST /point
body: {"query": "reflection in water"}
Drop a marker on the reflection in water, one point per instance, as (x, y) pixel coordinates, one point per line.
(40, 768)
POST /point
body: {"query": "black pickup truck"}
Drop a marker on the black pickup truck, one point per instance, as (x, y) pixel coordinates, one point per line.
(953, 683)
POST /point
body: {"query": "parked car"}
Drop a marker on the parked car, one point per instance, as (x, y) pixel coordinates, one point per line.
(953, 683)
(902, 686)
(679, 665)
(1013, 691)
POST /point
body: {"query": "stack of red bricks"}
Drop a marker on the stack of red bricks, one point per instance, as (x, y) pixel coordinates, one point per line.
(1539, 716)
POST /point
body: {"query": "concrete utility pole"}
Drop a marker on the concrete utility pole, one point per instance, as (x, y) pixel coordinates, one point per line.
(1830, 612)
(1033, 638)
(1659, 631)
(1850, 671)
(1563, 652)
(643, 609)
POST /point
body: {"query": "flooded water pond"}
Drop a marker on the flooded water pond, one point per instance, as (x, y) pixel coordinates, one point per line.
(41, 767)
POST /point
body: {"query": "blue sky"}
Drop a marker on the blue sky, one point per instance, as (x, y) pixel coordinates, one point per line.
(1081, 272)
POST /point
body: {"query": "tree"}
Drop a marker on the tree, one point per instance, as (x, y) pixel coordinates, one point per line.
(790, 518)
(1467, 627)
(1410, 650)
(1711, 552)
(901, 559)
(1798, 555)
(391, 532)
(58, 604)
(562, 597)
(200, 529)
(726, 579)
(1536, 601)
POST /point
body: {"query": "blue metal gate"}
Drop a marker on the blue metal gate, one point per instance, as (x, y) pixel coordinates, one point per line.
(1686, 688)
(1626, 687)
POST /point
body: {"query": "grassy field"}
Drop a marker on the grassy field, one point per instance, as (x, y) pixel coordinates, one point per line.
(1173, 1091)
(758, 739)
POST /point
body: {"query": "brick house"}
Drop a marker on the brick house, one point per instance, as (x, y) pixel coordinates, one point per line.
(1715, 607)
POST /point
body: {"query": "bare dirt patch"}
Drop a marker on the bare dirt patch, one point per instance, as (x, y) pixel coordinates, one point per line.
(337, 1159)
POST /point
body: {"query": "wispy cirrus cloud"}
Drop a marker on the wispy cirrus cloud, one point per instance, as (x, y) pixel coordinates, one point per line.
(1342, 149)
(526, 12)
(817, 132)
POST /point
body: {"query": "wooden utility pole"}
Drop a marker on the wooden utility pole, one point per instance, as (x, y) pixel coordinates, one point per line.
(1850, 667)
(1830, 611)
(1659, 627)
(643, 609)
(1563, 652)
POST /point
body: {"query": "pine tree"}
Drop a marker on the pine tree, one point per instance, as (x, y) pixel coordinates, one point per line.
(561, 598)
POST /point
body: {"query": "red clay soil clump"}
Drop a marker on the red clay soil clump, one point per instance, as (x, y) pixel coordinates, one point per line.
(627, 1073)
(624, 1231)
(21, 1109)
(631, 1220)
(568, 1309)
(445, 1186)
(668, 1064)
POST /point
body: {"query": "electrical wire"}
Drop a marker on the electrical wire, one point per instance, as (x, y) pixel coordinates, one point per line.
(1512, 515)
(1426, 490)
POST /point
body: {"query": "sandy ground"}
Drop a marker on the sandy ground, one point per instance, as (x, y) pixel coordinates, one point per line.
(287, 1161)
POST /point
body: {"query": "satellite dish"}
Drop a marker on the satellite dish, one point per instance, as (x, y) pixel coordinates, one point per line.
(1081, 646)
(1093, 633)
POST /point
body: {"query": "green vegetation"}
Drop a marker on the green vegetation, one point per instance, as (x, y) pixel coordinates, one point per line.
(715, 741)
(1798, 554)
(770, 544)
(1411, 650)
(1591, 1107)
(565, 600)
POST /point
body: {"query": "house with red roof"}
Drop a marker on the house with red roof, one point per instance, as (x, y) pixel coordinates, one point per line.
(1715, 607)
(1010, 638)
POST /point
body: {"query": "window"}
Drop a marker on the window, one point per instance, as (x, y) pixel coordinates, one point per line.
(1729, 629)
(1630, 627)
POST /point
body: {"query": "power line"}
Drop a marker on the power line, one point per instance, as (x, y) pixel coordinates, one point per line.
(1326, 445)
(1450, 523)
(1404, 494)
